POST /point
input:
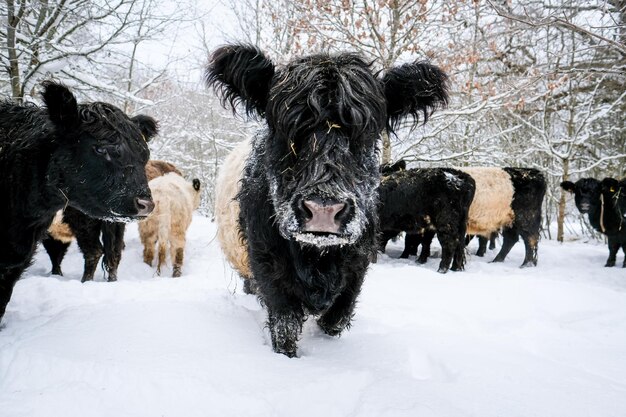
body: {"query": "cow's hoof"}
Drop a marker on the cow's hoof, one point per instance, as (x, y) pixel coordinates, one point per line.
(287, 352)
(333, 330)
(609, 264)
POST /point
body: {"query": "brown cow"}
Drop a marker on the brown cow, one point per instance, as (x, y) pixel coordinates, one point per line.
(175, 200)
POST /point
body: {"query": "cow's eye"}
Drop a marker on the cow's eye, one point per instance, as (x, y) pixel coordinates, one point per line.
(102, 151)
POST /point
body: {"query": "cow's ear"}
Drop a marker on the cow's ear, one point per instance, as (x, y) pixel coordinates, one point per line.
(400, 165)
(61, 104)
(388, 169)
(568, 186)
(414, 89)
(147, 125)
(610, 185)
(241, 74)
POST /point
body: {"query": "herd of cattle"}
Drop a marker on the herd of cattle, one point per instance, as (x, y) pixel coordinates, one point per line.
(302, 208)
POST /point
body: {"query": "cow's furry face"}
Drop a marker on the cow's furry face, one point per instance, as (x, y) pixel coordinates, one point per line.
(586, 191)
(325, 116)
(99, 162)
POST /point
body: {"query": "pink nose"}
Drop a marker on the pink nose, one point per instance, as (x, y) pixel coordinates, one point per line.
(323, 217)
(144, 207)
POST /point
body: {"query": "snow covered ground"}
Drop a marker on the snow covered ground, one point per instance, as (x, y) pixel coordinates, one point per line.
(495, 340)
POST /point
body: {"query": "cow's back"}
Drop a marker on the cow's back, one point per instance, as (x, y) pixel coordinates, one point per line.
(491, 208)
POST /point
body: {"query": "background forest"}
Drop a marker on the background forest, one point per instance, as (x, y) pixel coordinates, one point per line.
(534, 83)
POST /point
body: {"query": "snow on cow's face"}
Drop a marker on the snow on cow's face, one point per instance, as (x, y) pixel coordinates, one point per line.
(325, 114)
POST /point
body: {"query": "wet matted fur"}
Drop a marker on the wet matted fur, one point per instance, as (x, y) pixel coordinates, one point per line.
(428, 201)
(88, 156)
(316, 158)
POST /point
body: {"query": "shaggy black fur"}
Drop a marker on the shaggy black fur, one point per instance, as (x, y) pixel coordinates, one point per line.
(529, 187)
(324, 115)
(428, 201)
(88, 156)
(600, 200)
(97, 237)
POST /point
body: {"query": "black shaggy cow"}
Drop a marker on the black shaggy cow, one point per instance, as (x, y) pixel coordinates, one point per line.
(424, 202)
(600, 200)
(89, 157)
(506, 199)
(308, 193)
(96, 237)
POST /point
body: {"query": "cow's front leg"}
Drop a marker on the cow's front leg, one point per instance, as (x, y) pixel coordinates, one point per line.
(285, 327)
(272, 276)
(338, 317)
(8, 278)
(613, 249)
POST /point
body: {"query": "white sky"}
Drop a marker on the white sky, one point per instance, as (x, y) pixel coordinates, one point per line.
(181, 48)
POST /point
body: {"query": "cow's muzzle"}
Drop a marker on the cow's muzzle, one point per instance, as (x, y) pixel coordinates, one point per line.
(322, 215)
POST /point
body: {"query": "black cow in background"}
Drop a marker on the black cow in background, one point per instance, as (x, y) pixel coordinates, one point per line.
(95, 237)
(600, 200)
(425, 202)
(412, 240)
(506, 199)
(89, 157)
(308, 193)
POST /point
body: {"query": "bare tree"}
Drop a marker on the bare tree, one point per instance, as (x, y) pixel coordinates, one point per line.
(82, 42)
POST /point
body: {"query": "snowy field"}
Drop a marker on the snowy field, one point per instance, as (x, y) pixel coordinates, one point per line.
(493, 341)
